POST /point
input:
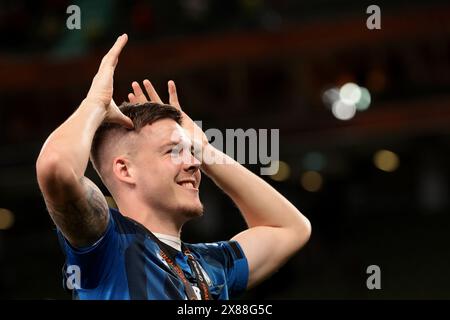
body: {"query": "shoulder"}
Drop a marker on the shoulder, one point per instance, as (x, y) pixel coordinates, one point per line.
(226, 262)
(222, 251)
(121, 224)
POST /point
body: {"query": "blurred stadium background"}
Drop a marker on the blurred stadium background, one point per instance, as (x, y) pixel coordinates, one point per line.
(364, 119)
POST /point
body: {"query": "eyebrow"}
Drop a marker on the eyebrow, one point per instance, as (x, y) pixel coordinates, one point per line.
(170, 143)
(175, 143)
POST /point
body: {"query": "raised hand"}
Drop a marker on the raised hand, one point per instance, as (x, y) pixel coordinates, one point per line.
(101, 90)
(138, 96)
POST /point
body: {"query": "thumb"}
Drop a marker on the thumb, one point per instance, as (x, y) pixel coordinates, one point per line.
(127, 122)
(122, 120)
(116, 116)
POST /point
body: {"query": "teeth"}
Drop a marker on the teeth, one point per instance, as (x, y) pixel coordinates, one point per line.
(187, 184)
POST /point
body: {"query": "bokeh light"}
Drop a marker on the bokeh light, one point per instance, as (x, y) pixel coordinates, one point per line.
(343, 111)
(311, 181)
(386, 160)
(350, 93)
(364, 101)
(314, 161)
(6, 219)
(284, 171)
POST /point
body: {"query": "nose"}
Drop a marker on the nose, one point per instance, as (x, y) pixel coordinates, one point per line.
(192, 164)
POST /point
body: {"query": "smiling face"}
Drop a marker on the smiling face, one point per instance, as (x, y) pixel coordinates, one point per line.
(167, 175)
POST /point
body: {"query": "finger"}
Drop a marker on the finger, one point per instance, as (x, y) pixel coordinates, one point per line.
(173, 97)
(152, 92)
(132, 98)
(140, 96)
(111, 58)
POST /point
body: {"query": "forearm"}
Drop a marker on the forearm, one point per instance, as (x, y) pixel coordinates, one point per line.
(259, 203)
(71, 142)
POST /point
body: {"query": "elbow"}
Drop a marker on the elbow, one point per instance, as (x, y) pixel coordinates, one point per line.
(302, 232)
(308, 230)
(50, 169)
(46, 166)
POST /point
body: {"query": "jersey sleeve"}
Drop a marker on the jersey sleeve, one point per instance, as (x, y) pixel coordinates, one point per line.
(231, 256)
(86, 267)
(237, 267)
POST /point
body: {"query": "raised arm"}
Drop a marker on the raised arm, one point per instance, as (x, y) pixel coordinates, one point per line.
(75, 203)
(276, 229)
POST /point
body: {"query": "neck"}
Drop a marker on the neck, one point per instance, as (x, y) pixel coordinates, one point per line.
(172, 241)
(153, 220)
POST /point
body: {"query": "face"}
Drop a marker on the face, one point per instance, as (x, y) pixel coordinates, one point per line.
(167, 174)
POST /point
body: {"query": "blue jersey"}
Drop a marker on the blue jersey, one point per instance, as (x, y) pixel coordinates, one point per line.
(126, 264)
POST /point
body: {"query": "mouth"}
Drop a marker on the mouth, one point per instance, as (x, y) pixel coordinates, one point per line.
(189, 184)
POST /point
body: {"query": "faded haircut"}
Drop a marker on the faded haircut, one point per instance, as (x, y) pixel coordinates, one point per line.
(141, 114)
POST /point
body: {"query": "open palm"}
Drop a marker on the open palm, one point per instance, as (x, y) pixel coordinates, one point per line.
(101, 91)
(138, 96)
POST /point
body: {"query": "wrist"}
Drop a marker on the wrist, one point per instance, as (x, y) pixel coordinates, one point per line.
(92, 112)
(213, 158)
(94, 106)
(93, 103)
(206, 157)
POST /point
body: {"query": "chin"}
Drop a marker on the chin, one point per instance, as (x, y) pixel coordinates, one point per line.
(192, 211)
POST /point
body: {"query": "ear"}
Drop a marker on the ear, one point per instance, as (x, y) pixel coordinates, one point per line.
(123, 170)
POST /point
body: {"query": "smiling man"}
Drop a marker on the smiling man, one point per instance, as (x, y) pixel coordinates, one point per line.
(144, 154)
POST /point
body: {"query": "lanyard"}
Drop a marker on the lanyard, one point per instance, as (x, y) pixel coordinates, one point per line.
(199, 276)
(195, 268)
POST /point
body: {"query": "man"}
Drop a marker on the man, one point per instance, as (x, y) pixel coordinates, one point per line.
(144, 154)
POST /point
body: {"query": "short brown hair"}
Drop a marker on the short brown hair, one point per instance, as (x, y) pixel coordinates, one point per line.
(141, 114)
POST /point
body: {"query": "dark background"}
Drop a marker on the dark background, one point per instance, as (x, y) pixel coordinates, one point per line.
(253, 64)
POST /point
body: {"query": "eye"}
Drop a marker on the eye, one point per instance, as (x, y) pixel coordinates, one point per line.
(176, 150)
